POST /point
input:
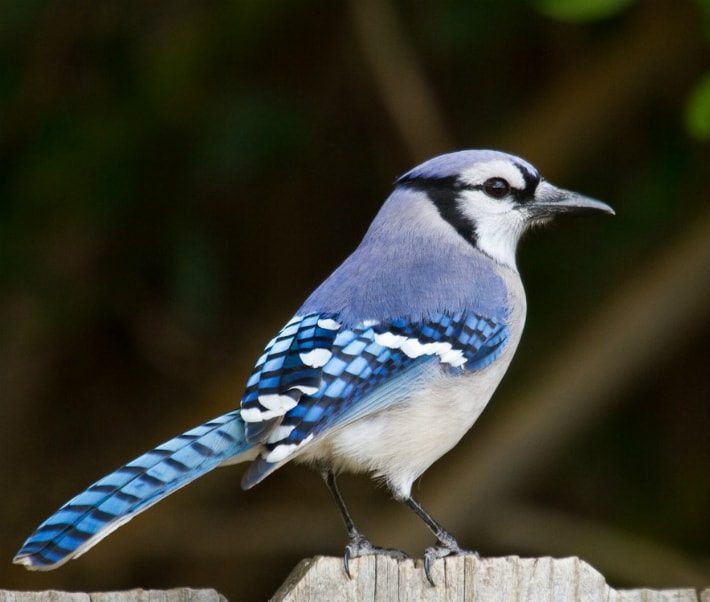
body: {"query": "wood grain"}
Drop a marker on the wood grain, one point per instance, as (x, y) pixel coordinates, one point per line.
(463, 578)
(183, 594)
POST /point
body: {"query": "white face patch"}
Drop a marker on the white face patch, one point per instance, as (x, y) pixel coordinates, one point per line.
(497, 168)
(499, 224)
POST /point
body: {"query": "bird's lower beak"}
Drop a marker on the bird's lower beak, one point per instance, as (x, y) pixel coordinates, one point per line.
(550, 201)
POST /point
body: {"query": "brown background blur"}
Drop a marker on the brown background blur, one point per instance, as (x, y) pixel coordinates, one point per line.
(175, 177)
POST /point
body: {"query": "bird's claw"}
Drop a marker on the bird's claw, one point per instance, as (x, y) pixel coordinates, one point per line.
(359, 546)
(346, 562)
(442, 550)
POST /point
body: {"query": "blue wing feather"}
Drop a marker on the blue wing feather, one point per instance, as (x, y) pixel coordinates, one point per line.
(363, 361)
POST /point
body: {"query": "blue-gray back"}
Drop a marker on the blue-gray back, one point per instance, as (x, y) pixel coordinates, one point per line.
(410, 265)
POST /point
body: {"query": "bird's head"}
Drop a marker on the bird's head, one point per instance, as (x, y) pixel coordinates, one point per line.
(491, 198)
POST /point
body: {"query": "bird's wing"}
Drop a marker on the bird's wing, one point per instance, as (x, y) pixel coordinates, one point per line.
(317, 374)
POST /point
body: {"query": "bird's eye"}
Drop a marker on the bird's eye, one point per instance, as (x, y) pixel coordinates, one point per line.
(496, 187)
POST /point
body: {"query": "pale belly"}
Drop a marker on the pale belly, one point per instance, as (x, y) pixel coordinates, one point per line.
(398, 444)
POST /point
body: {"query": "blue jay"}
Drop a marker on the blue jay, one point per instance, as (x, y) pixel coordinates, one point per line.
(382, 370)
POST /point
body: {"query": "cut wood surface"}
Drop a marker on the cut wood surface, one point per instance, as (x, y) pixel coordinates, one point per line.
(464, 578)
(382, 579)
(183, 594)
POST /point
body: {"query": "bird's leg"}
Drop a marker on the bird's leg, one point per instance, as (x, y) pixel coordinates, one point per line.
(446, 544)
(358, 544)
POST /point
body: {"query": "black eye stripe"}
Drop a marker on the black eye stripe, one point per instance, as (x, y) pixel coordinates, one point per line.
(444, 193)
(454, 185)
(532, 179)
(450, 187)
(423, 183)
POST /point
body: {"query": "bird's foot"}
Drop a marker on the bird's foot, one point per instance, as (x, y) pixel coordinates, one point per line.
(360, 546)
(446, 546)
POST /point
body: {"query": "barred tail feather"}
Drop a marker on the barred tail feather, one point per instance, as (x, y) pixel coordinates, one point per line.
(115, 499)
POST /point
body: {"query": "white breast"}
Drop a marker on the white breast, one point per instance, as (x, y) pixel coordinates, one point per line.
(398, 444)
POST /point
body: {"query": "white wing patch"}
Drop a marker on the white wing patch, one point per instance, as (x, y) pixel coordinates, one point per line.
(329, 324)
(258, 415)
(281, 452)
(305, 389)
(316, 358)
(280, 433)
(277, 403)
(413, 348)
(389, 339)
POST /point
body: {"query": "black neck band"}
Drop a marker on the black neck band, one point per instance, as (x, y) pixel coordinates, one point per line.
(445, 194)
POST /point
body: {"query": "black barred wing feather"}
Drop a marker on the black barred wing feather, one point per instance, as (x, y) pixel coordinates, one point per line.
(289, 369)
(316, 373)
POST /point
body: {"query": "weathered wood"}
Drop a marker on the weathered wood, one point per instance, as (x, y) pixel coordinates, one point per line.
(380, 579)
(465, 578)
(183, 594)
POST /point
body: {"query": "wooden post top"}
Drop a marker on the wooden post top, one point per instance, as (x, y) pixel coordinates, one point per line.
(463, 578)
(383, 579)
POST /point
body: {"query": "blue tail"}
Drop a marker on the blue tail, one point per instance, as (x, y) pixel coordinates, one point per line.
(114, 500)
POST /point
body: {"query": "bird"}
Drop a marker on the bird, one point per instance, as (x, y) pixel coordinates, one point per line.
(382, 370)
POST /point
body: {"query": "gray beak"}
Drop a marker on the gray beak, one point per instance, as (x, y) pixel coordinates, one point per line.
(550, 201)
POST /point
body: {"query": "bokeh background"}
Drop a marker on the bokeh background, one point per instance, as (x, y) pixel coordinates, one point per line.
(175, 177)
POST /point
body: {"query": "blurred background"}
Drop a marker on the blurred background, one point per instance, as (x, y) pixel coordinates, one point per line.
(175, 177)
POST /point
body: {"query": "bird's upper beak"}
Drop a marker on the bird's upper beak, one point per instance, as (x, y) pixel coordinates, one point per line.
(550, 201)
